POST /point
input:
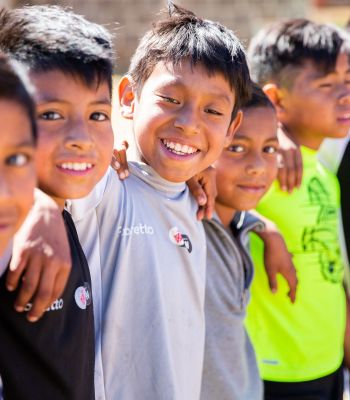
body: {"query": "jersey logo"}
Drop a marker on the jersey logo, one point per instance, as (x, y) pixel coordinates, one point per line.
(55, 306)
(82, 296)
(180, 239)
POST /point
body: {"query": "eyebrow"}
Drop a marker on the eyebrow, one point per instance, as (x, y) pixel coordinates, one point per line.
(27, 143)
(243, 137)
(177, 82)
(48, 99)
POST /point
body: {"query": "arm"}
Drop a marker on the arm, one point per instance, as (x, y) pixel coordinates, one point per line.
(277, 259)
(41, 262)
(290, 164)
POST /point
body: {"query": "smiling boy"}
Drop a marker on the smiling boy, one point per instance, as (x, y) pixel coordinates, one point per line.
(304, 68)
(245, 171)
(71, 69)
(182, 97)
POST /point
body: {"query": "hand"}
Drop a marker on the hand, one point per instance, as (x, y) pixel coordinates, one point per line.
(203, 189)
(277, 259)
(119, 161)
(41, 260)
(290, 163)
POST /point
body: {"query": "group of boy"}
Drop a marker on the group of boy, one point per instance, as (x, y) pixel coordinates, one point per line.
(155, 302)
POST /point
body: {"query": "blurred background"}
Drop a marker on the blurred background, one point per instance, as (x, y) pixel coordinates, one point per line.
(129, 19)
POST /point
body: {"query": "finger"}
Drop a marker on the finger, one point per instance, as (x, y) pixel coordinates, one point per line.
(292, 281)
(61, 282)
(272, 281)
(30, 282)
(16, 268)
(197, 191)
(282, 173)
(299, 168)
(200, 213)
(115, 163)
(44, 295)
(120, 163)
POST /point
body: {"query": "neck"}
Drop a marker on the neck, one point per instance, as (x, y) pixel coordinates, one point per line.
(60, 202)
(305, 138)
(226, 214)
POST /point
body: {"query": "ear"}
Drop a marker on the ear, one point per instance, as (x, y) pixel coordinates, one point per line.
(126, 97)
(275, 94)
(233, 127)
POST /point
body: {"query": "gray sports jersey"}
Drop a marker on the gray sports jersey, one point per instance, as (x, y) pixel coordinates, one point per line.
(230, 370)
(142, 234)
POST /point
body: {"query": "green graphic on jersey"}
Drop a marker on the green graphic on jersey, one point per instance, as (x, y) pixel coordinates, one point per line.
(322, 238)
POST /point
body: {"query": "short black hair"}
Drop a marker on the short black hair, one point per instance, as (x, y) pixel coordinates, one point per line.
(278, 51)
(181, 35)
(45, 38)
(14, 86)
(258, 99)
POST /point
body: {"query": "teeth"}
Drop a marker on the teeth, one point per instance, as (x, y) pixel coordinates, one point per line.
(179, 148)
(76, 166)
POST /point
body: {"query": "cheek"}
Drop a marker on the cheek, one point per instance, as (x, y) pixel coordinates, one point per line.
(104, 145)
(272, 171)
(23, 192)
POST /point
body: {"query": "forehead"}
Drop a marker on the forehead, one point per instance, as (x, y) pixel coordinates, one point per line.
(187, 75)
(310, 70)
(258, 122)
(58, 85)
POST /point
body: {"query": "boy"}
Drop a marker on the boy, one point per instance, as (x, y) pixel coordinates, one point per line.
(17, 151)
(304, 69)
(182, 97)
(71, 69)
(245, 171)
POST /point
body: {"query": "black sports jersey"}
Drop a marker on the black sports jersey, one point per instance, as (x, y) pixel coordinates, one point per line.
(52, 358)
(344, 181)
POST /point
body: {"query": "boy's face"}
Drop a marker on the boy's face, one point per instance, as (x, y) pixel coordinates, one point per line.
(17, 169)
(75, 134)
(248, 166)
(181, 118)
(318, 105)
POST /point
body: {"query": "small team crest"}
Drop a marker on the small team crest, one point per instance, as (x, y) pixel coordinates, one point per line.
(180, 239)
(82, 296)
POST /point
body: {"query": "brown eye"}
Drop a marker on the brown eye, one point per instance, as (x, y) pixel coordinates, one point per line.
(18, 160)
(236, 148)
(50, 116)
(99, 116)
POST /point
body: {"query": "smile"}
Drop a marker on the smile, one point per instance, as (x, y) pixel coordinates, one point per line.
(178, 148)
(74, 166)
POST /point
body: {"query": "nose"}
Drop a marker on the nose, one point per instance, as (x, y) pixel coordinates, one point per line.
(256, 165)
(344, 97)
(187, 120)
(5, 189)
(79, 137)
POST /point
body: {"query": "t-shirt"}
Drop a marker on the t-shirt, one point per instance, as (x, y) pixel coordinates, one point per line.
(150, 252)
(230, 371)
(52, 358)
(301, 341)
(335, 155)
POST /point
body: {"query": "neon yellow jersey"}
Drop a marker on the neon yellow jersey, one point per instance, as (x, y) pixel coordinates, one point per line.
(301, 341)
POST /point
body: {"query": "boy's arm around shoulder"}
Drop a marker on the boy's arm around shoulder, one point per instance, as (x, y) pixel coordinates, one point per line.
(277, 259)
(290, 163)
(41, 260)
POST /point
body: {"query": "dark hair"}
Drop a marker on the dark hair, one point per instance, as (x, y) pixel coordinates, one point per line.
(258, 99)
(182, 35)
(45, 38)
(14, 86)
(278, 51)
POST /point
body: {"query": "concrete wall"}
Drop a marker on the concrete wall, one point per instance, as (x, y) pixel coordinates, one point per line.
(134, 17)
